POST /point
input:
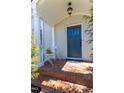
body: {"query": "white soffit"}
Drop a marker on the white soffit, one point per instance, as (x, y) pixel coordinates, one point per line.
(54, 11)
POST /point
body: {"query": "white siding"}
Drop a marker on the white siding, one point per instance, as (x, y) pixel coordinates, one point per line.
(47, 36)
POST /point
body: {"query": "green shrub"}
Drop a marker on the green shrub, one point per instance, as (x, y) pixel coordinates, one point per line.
(34, 59)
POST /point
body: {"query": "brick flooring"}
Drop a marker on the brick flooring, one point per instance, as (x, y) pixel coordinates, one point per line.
(73, 72)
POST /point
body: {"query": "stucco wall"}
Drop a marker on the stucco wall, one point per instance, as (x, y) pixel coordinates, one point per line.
(61, 37)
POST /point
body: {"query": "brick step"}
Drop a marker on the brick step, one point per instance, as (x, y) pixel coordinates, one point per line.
(78, 78)
(53, 85)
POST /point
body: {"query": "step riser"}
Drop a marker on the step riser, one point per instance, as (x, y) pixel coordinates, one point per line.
(82, 79)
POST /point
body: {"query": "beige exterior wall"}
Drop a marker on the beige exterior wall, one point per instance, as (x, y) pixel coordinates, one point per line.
(61, 37)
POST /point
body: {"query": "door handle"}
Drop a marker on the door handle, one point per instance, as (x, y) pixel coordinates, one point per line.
(80, 41)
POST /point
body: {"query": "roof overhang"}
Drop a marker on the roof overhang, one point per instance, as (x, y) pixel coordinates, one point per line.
(54, 11)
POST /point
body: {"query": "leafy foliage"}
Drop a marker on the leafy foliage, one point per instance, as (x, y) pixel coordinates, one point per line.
(34, 59)
(49, 51)
(89, 30)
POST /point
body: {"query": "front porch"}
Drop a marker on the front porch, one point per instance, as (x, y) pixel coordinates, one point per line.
(63, 34)
(63, 37)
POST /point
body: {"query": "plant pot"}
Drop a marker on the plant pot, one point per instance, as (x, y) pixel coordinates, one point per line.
(49, 56)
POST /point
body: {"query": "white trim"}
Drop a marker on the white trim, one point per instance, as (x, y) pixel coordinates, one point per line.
(42, 45)
(74, 58)
(42, 42)
(74, 25)
(67, 16)
(53, 40)
(40, 2)
(81, 38)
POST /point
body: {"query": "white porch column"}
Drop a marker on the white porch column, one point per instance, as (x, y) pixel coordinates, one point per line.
(53, 41)
(36, 23)
(42, 41)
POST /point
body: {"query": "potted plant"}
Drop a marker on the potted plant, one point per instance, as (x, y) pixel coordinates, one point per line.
(49, 56)
(49, 51)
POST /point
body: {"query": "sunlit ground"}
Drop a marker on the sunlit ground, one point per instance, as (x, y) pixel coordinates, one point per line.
(78, 67)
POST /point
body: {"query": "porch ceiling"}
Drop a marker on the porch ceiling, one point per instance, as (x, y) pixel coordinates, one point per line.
(54, 11)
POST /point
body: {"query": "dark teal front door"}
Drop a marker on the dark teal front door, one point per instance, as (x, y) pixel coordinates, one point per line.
(74, 49)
